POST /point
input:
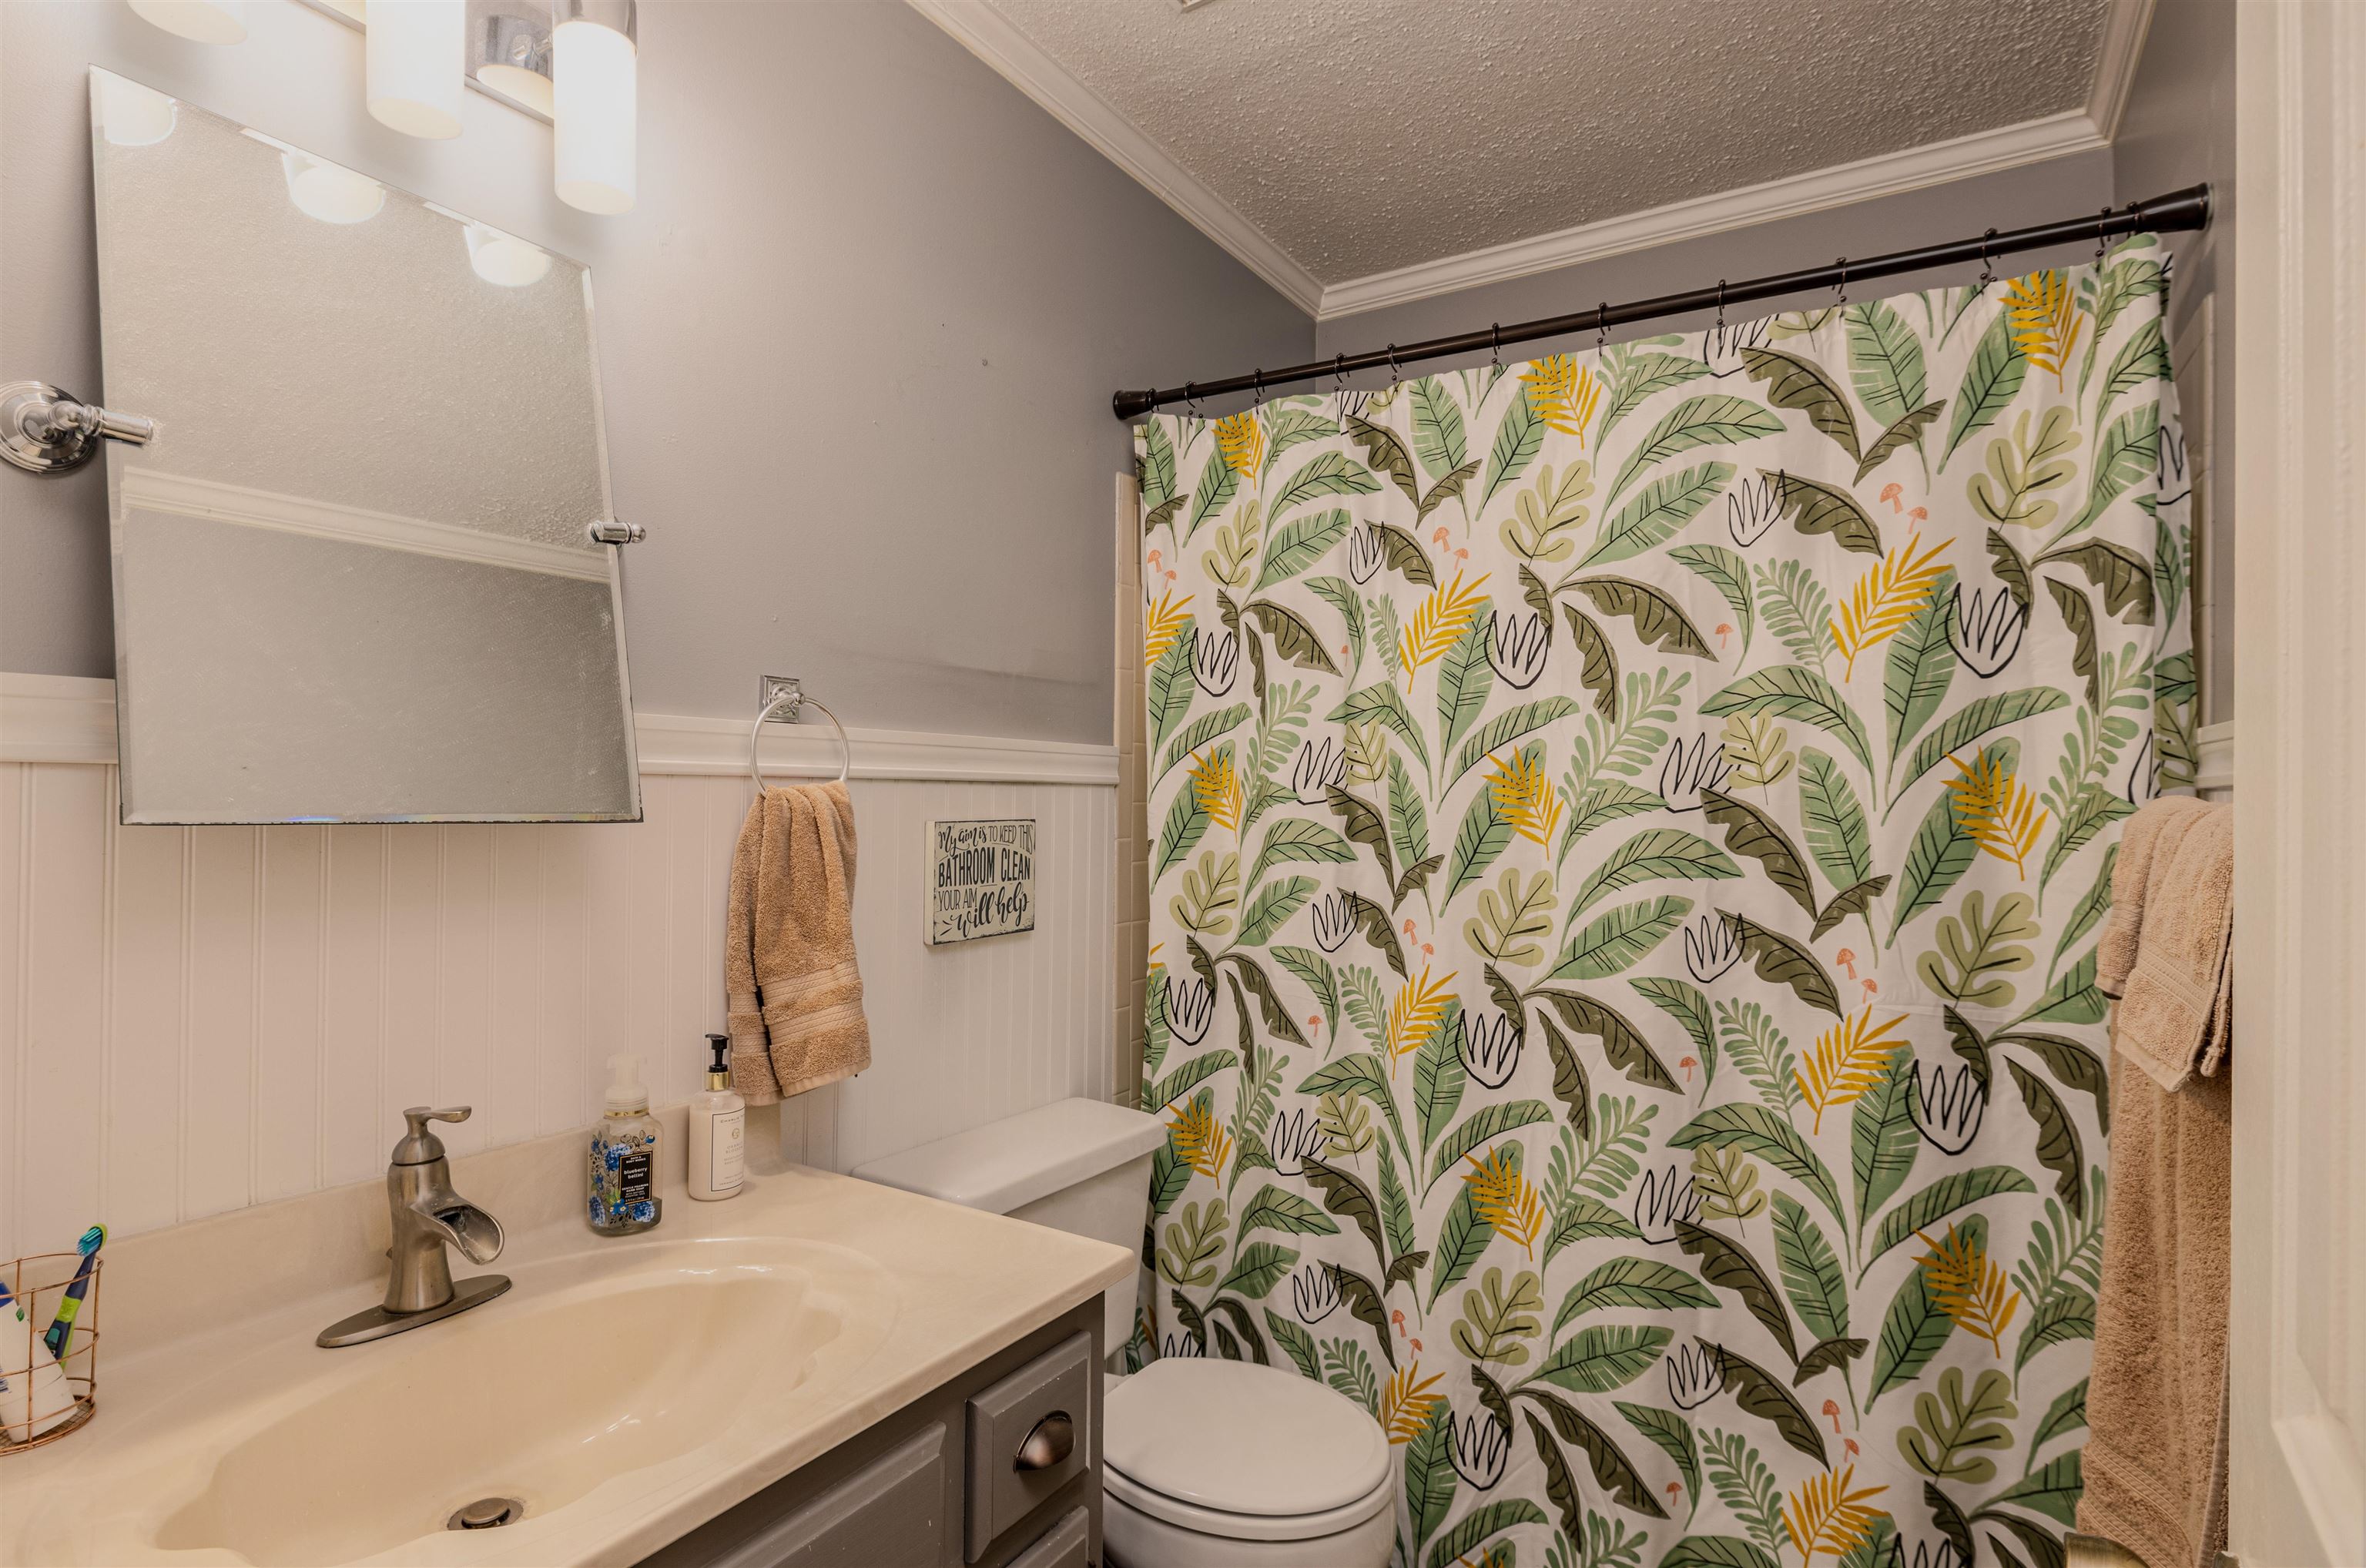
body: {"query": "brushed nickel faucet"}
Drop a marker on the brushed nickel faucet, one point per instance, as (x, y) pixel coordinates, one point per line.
(428, 1216)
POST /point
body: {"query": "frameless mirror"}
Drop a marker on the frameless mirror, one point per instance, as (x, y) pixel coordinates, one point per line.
(353, 577)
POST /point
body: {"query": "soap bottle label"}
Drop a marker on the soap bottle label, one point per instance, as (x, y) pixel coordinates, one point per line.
(633, 1178)
(727, 1160)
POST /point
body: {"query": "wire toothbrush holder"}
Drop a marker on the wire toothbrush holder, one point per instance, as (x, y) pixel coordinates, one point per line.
(38, 1406)
(781, 699)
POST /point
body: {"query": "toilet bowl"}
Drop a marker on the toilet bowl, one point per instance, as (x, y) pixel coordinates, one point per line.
(1204, 1462)
(1209, 1462)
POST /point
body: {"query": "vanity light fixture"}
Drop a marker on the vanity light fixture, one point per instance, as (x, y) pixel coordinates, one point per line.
(411, 64)
(510, 50)
(595, 99)
(202, 21)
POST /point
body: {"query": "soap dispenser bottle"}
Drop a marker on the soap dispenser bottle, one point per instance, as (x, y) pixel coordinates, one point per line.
(624, 1192)
(718, 1130)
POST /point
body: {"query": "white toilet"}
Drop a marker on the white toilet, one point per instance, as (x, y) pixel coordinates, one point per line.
(1204, 1462)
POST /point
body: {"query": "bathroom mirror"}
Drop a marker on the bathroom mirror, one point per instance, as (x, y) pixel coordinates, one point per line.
(353, 577)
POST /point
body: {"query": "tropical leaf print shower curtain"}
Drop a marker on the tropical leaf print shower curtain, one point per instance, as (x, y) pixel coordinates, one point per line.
(1628, 836)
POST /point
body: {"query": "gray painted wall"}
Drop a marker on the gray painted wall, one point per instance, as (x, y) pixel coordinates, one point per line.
(2178, 130)
(857, 344)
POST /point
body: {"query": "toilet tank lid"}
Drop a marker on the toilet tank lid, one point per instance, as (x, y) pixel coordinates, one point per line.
(1006, 1164)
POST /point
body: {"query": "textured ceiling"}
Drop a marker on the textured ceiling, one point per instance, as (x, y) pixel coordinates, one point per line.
(1365, 135)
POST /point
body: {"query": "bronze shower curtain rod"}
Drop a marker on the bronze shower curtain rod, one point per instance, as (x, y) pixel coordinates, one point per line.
(2182, 210)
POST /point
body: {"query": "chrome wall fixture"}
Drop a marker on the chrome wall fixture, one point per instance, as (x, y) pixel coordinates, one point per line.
(781, 700)
(573, 65)
(44, 430)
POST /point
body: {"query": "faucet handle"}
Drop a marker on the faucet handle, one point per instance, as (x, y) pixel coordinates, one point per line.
(419, 1147)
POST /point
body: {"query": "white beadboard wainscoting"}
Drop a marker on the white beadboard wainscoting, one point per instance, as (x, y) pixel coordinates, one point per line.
(192, 1019)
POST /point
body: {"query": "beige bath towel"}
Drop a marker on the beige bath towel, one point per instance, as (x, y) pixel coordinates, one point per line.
(792, 992)
(2156, 1454)
(2163, 952)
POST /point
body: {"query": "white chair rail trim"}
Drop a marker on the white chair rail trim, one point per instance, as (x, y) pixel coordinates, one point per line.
(71, 718)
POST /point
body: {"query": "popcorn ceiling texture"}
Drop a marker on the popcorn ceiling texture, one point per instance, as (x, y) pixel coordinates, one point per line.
(1365, 135)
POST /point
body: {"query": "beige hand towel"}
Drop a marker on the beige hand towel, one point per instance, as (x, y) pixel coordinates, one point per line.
(793, 996)
(2156, 1457)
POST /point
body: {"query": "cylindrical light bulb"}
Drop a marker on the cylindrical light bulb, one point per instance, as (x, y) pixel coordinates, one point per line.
(206, 21)
(413, 65)
(595, 92)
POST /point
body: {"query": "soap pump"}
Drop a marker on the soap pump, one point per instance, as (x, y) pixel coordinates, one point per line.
(623, 1197)
(718, 1130)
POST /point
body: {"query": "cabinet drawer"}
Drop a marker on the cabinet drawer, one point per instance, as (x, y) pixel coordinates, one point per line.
(1067, 1544)
(1053, 1393)
(890, 1513)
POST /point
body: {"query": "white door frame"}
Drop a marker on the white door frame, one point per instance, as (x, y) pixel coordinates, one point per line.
(2297, 1432)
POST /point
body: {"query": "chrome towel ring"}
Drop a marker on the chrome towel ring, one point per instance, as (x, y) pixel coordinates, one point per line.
(788, 701)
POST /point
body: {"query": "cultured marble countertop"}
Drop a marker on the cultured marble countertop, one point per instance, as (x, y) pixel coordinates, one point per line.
(206, 1334)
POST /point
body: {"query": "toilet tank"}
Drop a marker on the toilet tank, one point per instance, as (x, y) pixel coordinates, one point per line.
(1080, 1165)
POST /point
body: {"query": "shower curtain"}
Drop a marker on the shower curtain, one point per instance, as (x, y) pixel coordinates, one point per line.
(1628, 835)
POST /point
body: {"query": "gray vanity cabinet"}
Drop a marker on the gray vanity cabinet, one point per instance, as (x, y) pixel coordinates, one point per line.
(998, 1466)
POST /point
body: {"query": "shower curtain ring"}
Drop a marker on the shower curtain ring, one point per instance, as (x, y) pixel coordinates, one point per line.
(1495, 356)
(1257, 384)
(1395, 375)
(1602, 326)
(1720, 304)
(2100, 247)
(1191, 398)
(1988, 266)
(1842, 285)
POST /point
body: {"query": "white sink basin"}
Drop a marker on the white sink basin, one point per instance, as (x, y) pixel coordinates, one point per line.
(600, 1382)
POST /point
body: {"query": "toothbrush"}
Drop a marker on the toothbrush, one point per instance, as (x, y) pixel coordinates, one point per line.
(70, 1304)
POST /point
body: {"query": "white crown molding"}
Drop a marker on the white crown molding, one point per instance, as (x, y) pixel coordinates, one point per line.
(2115, 63)
(1916, 168)
(71, 718)
(152, 490)
(987, 33)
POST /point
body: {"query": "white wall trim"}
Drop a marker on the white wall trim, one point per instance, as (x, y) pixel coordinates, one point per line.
(71, 718)
(218, 501)
(985, 32)
(1940, 163)
(2115, 63)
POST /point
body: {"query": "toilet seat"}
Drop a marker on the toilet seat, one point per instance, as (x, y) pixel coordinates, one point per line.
(1243, 1453)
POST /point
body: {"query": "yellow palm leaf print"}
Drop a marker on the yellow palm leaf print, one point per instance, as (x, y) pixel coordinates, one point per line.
(1405, 1401)
(1997, 810)
(1420, 1004)
(1846, 1062)
(1825, 1514)
(1524, 796)
(1242, 440)
(1217, 786)
(1202, 1144)
(1160, 623)
(1886, 598)
(1442, 617)
(1970, 1288)
(2045, 320)
(1563, 393)
(1505, 1199)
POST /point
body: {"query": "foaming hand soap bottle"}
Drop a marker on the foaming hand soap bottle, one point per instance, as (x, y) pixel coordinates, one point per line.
(624, 1189)
(718, 1131)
